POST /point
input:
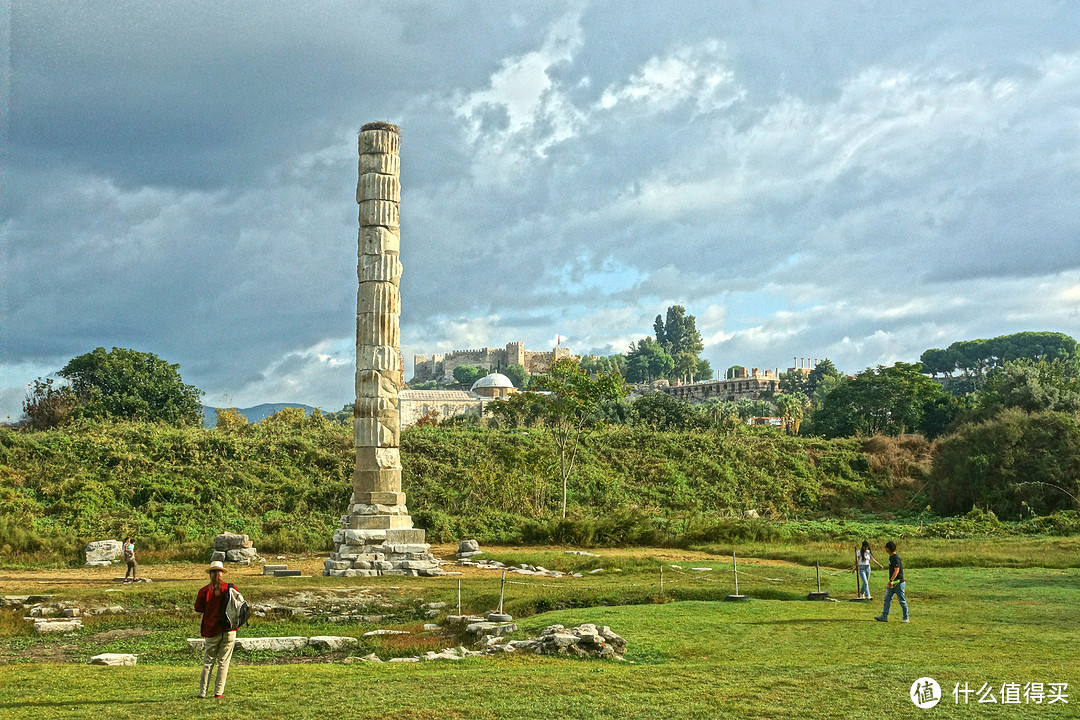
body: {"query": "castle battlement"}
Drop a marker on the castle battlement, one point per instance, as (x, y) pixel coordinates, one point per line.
(441, 367)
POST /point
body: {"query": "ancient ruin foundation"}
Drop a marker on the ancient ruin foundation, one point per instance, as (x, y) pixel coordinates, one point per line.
(377, 537)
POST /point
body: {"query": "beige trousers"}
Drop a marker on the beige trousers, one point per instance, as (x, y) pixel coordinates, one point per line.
(217, 649)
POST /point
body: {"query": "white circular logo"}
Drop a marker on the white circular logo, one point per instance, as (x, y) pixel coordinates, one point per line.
(925, 692)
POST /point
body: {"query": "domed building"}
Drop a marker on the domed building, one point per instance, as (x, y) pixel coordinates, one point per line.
(495, 385)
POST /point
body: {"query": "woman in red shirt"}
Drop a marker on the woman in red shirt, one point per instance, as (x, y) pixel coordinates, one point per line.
(218, 644)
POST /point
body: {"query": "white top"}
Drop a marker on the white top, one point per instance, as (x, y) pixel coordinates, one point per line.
(859, 558)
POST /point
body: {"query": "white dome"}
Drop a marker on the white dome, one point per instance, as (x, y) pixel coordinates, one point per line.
(494, 380)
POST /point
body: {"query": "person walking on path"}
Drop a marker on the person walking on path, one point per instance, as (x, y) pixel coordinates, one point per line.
(895, 586)
(128, 548)
(219, 639)
(863, 556)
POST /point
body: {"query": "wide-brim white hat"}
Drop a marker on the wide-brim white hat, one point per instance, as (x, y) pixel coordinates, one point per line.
(216, 565)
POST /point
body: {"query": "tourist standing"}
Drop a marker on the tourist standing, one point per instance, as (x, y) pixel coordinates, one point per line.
(895, 586)
(863, 556)
(128, 548)
(218, 639)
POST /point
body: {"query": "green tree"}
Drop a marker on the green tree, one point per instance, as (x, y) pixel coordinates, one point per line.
(468, 374)
(886, 401)
(975, 360)
(134, 385)
(792, 408)
(518, 375)
(822, 372)
(794, 381)
(703, 371)
(1033, 386)
(1011, 461)
(678, 334)
(686, 365)
(47, 405)
(596, 364)
(647, 361)
(660, 411)
(230, 419)
(573, 407)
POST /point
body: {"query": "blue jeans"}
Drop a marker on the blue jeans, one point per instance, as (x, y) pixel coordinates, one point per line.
(898, 591)
(864, 580)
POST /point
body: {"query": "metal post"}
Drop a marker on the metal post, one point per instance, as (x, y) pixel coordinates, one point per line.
(459, 596)
(735, 571)
(502, 590)
(817, 571)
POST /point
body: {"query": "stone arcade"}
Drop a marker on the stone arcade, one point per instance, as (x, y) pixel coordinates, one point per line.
(377, 537)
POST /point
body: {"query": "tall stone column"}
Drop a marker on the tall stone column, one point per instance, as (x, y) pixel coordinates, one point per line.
(377, 537)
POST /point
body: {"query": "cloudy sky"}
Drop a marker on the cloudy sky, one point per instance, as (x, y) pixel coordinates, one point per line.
(854, 180)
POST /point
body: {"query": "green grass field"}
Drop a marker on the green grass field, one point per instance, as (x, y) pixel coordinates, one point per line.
(1007, 617)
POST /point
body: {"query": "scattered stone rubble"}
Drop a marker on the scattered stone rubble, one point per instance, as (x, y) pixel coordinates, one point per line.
(102, 553)
(283, 644)
(338, 605)
(54, 617)
(586, 640)
(233, 548)
(522, 569)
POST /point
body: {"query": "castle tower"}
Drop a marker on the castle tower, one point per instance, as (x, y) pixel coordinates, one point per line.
(377, 536)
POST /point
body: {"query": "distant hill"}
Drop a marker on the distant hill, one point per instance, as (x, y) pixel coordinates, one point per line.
(253, 414)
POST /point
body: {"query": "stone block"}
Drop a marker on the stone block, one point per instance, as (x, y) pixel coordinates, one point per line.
(359, 573)
(378, 497)
(418, 564)
(286, 573)
(379, 522)
(331, 642)
(374, 406)
(274, 644)
(384, 163)
(370, 458)
(388, 481)
(378, 358)
(378, 186)
(380, 212)
(377, 509)
(48, 626)
(376, 240)
(369, 432)
(271, 569)
(217, 556)
(383, 268)
(376, 384)
(239, 555)
(329, 564)
(465, 546)
(363, 537)
(372, 329)
(381, 140)
(102, 552)
(230, 541)
(411, 536)
(378, 297)
(113, 659)
(482, 629)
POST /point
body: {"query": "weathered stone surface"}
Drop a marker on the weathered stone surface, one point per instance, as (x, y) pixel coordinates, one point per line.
(379, 497)
(372, 458)
(379, 522)
(379, 268)
(239, 555)
(377, 509)
(331, 642)
(102, 552)
(275, 644)
(378, 297)
(465, 546)
(271, 569)
(384, 163)
(373, 406)
(378, 186)
(375, 384)
(113, 659)
(385, 631)
(380, 212)
(217, 556)
(371, 432)
(376, 240)
(50, 626)
(373, 329)
(388, 481)
(378, 141)
(490, 628)
(287, 573)
(231, 541)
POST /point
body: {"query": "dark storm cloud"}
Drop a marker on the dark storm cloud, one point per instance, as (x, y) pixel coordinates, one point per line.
(808, 179)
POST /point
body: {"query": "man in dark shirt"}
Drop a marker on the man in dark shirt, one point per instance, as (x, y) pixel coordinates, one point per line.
(218, 640)
(895, 586)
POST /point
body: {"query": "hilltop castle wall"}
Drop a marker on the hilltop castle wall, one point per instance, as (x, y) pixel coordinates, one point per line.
(441, 366)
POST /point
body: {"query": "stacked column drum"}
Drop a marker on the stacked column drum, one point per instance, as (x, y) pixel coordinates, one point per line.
(377, 536)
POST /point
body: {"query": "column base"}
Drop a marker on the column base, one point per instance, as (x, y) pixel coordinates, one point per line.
(363, 548)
